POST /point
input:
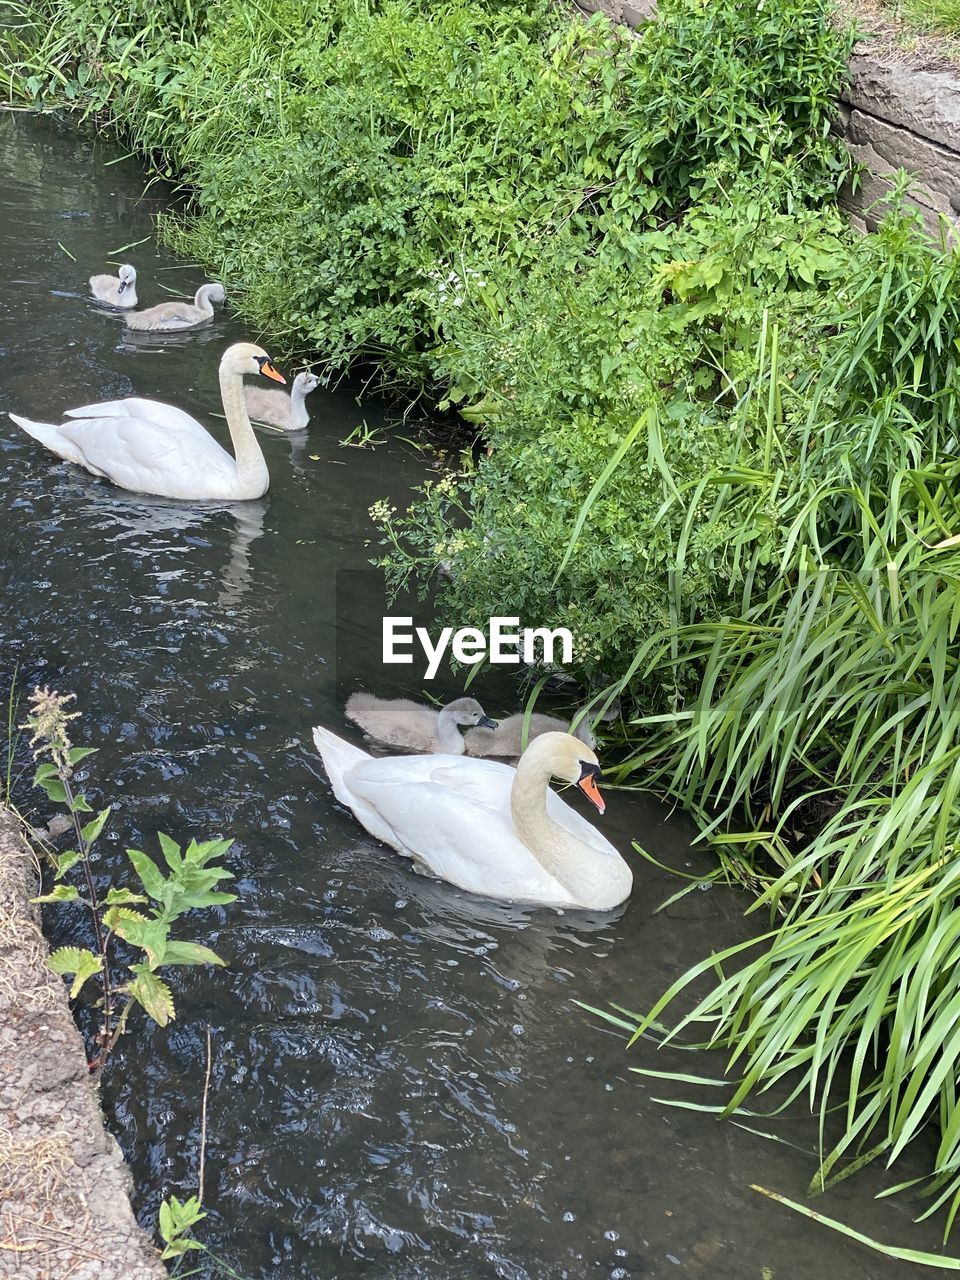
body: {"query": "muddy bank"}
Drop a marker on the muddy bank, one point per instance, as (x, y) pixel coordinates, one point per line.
(64, 1211)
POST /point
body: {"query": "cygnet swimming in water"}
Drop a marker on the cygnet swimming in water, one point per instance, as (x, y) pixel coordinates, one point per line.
(400, 722)
(288, 412)
(171, 317)
(119, 290)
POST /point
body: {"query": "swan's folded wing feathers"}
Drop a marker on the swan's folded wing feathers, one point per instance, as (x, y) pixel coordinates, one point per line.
(139, 409)
(134, 453)
(456, 824)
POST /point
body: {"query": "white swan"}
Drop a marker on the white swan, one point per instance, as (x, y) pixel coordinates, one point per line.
(151, 447)
(505, 741)
(171, 317)
(119, 290)
(399, 722)
(288, 412)
(483, 826)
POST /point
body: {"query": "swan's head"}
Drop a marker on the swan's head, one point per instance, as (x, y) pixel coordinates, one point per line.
(469, 711)
(306, 382)
(212, 292)
(128, 276)
(245, 358)
(570, 760)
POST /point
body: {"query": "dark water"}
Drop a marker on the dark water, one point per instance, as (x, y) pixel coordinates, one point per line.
(401, 1084)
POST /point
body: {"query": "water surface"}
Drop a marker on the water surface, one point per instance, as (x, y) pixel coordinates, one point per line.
(401, 1085)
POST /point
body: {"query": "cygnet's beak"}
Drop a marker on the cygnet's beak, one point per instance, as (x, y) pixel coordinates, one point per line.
(486, 723)
(587, 782)
(123, 284)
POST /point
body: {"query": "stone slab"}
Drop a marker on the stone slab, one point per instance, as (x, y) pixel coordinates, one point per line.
(64, 1188)
(925, 102)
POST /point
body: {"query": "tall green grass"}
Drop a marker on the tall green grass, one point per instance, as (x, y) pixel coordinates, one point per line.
(822, 746)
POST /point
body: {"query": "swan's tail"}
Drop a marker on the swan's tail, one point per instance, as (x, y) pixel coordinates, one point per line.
(338, 756)
(49, 436)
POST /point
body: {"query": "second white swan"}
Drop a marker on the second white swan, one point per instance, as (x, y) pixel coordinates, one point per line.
(151, 447)
(483, 826)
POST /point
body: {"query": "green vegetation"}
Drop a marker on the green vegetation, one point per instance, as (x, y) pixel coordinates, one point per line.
(721, 431)
(194, 873)
(937, 17)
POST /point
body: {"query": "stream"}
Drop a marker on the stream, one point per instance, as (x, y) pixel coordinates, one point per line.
(401, 1085)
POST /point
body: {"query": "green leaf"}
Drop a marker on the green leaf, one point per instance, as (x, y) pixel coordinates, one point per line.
(93, 828)
(171, 851)
(123, 897)
(149, 873)
(153, 994)
(76, 754)
(149, 935)
(77, 960)
(66, 860)
(60, 893)
(56, 791)
(115, 916)
(178, 1248)
(43, 772)
(190, 953)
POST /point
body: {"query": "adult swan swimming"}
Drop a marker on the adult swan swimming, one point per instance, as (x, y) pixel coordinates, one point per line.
(483, 826)
(151, 447)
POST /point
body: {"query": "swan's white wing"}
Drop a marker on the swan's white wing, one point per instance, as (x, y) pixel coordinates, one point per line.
(452, 816)
(155, 411)
(177, 462)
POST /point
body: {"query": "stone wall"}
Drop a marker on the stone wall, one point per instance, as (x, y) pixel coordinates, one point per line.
(899, 110)
(64, 1207)
(896, 116)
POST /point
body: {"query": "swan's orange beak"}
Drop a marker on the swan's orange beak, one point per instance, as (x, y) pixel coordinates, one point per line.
(269, 369)
(589, 773)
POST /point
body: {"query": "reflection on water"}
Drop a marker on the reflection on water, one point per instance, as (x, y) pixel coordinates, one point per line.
(402, 1086)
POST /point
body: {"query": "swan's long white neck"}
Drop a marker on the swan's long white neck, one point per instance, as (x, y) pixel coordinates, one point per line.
(251, 465)
(587, 874)
(448, 732)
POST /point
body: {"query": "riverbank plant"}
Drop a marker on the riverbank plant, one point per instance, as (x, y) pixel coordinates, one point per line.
(125, 922)
(718, 434)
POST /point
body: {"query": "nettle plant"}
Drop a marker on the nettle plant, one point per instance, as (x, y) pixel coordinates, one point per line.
(142, 918)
